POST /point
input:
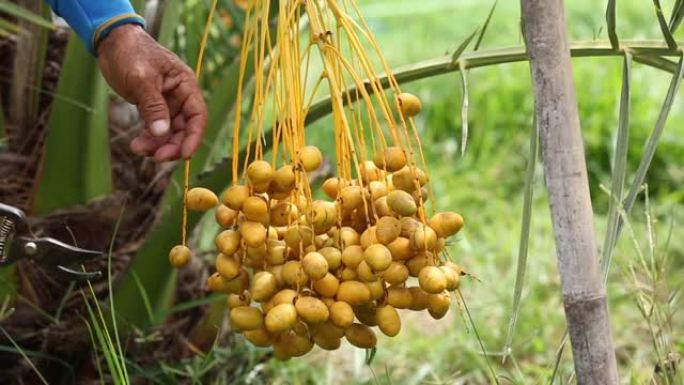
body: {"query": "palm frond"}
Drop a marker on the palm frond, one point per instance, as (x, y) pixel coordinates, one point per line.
(524, 237)
(619, 166)
(22, 13)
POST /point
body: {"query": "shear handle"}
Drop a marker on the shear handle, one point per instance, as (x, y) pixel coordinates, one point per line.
(16, 216)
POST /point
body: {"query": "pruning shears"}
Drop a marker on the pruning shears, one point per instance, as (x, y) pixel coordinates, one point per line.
(16, 243)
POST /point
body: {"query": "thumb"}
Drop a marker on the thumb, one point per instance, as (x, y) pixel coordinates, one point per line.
(154, 110)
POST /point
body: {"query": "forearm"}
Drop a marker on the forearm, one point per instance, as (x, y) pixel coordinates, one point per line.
(93, 19)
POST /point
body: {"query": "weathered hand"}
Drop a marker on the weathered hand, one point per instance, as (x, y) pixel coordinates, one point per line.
(162, 87)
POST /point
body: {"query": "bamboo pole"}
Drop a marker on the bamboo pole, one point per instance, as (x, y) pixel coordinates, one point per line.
(584, 296)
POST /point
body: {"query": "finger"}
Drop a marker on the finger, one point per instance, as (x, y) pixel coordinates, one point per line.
(142, 146)
(153, 108)
(146, 144)
(195, 112)
(170, 150)
(178, 123)
(177, 90)
(187, 94)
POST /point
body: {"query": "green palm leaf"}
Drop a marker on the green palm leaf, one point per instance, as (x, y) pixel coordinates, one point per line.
(18, 12)
(76, 164)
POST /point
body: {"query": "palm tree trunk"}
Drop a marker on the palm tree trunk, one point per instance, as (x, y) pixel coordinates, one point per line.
(25, 75)
(584, 296)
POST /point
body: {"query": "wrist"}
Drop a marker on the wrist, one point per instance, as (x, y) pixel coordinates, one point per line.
(118, 35)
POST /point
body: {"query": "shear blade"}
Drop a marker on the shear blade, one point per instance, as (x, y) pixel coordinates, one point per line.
(57, 255)
(75, 275)
(52, 250)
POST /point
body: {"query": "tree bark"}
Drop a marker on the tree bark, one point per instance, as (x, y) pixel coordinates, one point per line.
(584, 295)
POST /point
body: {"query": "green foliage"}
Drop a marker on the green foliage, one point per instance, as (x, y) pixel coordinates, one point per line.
(677, 14)
(8, 28)
(610, 24)
(170, 19)
(619, 167)
(19, 12)
(667, 34)
(76, 163)
(524, 236)
(104, 336)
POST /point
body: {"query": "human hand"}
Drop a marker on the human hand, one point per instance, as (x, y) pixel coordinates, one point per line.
(162, 87)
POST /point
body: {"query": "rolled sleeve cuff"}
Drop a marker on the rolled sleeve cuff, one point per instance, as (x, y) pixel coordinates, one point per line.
(105, 28)
(92, 20)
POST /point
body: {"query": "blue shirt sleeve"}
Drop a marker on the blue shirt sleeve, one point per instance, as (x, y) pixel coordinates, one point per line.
(94, 19)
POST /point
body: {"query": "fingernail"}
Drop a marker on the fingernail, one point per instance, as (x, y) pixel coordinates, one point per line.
(159, 128)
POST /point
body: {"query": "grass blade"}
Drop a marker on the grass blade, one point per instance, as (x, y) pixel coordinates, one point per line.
(667, 34)
(63, 301)
(462, 47)
(619, 166)
(677, 15)
(103, 340)
(464, 76)
(484, 26)
(524, 237)
(659, 62)
(97, 355)
(24, 14)
(111, 349)
(5, 309)
(610, 23)
(653, 140)
(464, 111)
(559, 355)
(23, 355)
(145, 298)
(477, 336)
(112, 309)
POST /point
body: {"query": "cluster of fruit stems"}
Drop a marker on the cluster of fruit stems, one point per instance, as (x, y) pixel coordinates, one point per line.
(286, 85)
(186, 165)
(291, 115)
